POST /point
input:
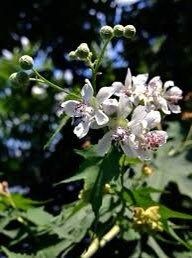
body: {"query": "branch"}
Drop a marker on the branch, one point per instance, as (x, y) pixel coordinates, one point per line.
(96, 244)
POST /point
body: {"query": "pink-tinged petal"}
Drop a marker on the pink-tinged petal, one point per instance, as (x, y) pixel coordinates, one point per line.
(82, 128)
(110, 106)
(69, 107)
(168, 84)
(101, 118)
(124, 107)
(106, 92)
(87, 91)
(155, 85)
(174, 92)
(104, 144)
(128, 79)
(176, 109)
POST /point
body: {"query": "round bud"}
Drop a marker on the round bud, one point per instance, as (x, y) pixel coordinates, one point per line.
(129, 31)
(147, 170)
(26, 62)
(83, 51)
(72, 55)
(13, 79)
(118, 30)
(106, 32)
(22, 78)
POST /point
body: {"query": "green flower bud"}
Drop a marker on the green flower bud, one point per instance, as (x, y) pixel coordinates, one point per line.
(13, 79)
(26, 62)
(22, 78)
(118, 30)
(72, 55)
(106, 32)
(129, 31)
(83, 51)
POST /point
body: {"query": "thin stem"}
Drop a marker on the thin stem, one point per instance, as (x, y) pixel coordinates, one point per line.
(36, 80)
(56, 87)
(96, 244)
(98, 62)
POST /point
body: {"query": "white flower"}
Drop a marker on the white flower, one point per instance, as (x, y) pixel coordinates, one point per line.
(134, 137)
(133, 88)
(89, 110)
(164, 97)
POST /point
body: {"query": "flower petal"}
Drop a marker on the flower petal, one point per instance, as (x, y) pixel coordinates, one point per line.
(155, 86)
(153, 118)
(140, 79)
(69, 107)
(130, 152)
(104, 144)
(110, 106)
(128, 79)
(162, 103)
(124, 107)
(101, 118)
(168, 84)
(106, 92)
(176, 109)
(82, 128)
(87, 91)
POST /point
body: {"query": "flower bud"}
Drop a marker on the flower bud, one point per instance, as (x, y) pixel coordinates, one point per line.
(26, 62)
(83, 51)
(106, 32)
(118, 30)
(22, 78)
(72, 55)
(13, 79)
(129, 31)
(147, 170)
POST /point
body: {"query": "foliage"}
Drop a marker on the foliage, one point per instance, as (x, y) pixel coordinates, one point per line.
(38, 149)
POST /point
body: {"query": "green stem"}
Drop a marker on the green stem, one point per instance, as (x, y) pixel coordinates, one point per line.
(54, 86)
(98, 62)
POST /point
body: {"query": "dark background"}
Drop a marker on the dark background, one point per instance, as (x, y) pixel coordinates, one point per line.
(162, 46)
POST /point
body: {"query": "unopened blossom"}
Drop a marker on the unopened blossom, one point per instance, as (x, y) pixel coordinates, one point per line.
(133, 88)
(164, 97)
(134, 137)
(88, 111)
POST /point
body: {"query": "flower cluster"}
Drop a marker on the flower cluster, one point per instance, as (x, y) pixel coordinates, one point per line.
(149, 218)
(131, 112)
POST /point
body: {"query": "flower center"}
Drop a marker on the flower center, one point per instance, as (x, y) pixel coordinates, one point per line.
(82, 108)
(152, 141)
(120, 135)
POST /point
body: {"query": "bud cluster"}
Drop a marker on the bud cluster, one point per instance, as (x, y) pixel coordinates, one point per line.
(82, 53)
(22, 78)
(118, 30)
(148, 219)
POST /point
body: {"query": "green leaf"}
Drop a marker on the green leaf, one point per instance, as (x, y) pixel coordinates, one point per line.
(167, 213)
(171, 168)
(88, 172)
(60, 126)
(38, 216)
(15, 255)
(109, 169)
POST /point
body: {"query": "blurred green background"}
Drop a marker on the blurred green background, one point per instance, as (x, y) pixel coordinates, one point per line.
(48, 30)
